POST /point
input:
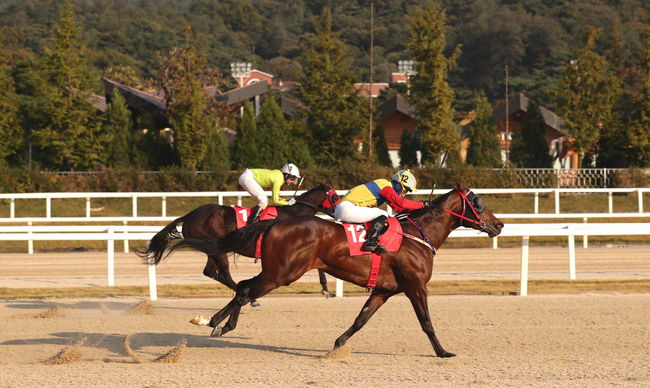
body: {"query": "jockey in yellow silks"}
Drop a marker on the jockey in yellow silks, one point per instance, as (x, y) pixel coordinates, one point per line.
(255, 180)
(360, 204)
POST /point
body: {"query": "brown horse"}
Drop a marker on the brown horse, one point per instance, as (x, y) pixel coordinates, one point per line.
(294, 246)
(215, 221)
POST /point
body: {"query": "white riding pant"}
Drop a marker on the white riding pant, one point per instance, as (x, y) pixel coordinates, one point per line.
(348, 212)
(248, 182)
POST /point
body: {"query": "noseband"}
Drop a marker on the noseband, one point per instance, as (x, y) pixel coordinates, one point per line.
(466, 202)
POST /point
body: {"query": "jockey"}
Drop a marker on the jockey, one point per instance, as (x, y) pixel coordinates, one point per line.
(360, 204)
(257, 179)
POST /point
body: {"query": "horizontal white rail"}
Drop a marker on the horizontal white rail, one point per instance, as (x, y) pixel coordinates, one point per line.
(112, 233)
(239, 195)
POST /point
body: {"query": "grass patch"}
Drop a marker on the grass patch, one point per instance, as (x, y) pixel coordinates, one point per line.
(465, 287)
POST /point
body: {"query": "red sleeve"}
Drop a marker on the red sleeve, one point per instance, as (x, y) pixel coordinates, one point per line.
(398, 203)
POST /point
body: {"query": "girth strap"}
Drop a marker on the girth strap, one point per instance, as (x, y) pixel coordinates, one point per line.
(374, 271)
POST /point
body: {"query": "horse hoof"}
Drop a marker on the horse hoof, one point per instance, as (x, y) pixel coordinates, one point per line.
(447, 355)
(326, 294)
(255, 304)
(216, 332)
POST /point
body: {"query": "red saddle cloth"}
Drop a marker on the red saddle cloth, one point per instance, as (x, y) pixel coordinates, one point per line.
(356, 233)
(242, 214)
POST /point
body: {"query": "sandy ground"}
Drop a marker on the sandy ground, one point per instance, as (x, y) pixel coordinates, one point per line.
(501, 341)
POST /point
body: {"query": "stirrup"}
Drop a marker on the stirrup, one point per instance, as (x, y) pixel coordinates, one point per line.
(374, 247)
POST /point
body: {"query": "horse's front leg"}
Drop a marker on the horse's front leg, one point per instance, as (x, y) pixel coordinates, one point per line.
(323, 283)
(418, 297)
(374, 302)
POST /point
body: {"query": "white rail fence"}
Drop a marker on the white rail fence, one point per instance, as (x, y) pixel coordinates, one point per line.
(220, 196)
(112, 233)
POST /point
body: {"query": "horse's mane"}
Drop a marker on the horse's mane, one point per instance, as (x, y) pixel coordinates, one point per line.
(321, 186)
(436, 204)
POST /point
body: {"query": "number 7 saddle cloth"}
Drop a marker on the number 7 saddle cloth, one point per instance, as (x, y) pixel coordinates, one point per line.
(391, 239)
(243, 213)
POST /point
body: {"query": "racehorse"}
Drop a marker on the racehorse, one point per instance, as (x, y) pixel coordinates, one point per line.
(294, 246)
(215, 221)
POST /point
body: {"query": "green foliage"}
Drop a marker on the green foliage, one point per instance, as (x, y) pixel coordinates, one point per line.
(529, 147)
(586, 95)
(71, 132)
(11, 136)
(118, 128)
(217, 158)
(381, 149)
(430, 93)
(484, 145)
(272, 135)
(246, 151)
(336, 114)
(408, 152)
(639, 132)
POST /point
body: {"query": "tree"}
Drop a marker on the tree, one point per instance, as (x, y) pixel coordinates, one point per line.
(586, 96)
(184, 75)
(640, 126)
(246, 152)
(408, 151)
(484, 145)
(335, 113)
(217, 157)
(529, 147)
(430, 93)
(272, 135)
(11, 136)
(71, 131)
(381, 148)
(117, 126)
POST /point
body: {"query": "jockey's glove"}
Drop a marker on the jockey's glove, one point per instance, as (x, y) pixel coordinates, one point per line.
(291, 201)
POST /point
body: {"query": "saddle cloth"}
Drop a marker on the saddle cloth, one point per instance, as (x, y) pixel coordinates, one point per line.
(356, 234)
(242, 214)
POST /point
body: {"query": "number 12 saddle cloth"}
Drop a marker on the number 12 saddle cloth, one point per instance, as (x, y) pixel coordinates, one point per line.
(391, 239)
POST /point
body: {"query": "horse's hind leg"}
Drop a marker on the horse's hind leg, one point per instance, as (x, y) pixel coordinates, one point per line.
(373, 304)
(218, 268)
(323, 283)
(418, 297)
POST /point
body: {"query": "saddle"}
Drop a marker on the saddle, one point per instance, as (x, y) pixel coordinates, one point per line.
(243, 213)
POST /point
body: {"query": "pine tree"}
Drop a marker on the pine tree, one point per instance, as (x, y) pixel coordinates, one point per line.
(246, 152)
(273, 135)
(71, 133)
(217, 157)
(381, 148)
(11, 136)
(298, 153)
(586, 96)
(336, 114)
(408, 151)
(430, 93)
(483, 148)
(117, 126)
(529, 147)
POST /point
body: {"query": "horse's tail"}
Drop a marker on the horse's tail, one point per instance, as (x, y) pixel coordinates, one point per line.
(155, 252)
(241, 241)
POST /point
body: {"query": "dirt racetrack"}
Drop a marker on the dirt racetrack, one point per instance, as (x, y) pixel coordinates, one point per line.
(589, 340)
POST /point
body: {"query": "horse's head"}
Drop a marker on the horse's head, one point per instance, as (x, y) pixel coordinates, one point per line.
(470, 209)
(323, 197)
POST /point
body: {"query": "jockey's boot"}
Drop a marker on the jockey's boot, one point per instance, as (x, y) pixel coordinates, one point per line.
(255, 215)
(372, 241)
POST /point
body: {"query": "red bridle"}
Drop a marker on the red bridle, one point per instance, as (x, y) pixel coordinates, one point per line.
(331, 199)
(466, 202)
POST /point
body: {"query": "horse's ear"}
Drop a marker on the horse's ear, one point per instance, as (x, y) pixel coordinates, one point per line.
(460, 187)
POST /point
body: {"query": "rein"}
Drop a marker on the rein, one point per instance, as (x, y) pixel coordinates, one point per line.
(425, 238)
(466, 202)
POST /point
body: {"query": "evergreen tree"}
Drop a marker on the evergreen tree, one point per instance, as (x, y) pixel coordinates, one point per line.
(430, 93)
(586, 96)
(640, 125)
(336, 114)
(185, 75)
(117, 126)
(408, 151)
(483, 148)
(529, 147)
(381, 148)
(246, 152)
(11, 136)
(217, 157)
(71, 133)
(273, 135)
(298, 153)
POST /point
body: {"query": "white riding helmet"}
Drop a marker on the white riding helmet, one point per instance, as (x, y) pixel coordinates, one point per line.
(291, 169)
(406, 179)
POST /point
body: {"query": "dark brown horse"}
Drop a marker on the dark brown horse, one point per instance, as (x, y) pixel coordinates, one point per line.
(296, 245)
(215, 221)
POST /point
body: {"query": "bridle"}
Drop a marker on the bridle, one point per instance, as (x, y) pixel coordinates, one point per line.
(470, 199)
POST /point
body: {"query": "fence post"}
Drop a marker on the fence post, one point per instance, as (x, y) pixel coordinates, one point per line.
(153, 288)
(640, 194)
(523, 286)
(134, 206)
(557, 201)
(610, 202)
(30, 243)
(495, 242)
(572, 257)
(164, 207)
(48, 207)
(339, 288)
(585, 238)
(126, 237)
(536, 202)
(220, 199)
(110, 260)
(12, 207)
(88, 207)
